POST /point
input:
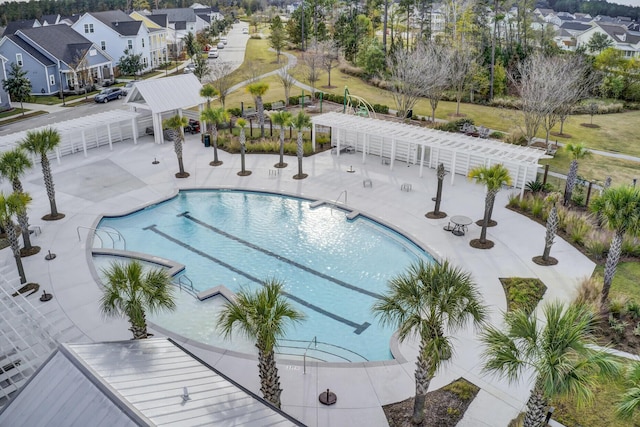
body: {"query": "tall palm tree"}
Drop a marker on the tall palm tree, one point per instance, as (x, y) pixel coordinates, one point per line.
(130, 293)
(242, 123)
(301, 122)
(40, 143)
(631, 398)
(176, 125)
(214, 117)
(13, 164)
(493, 178)
(557, 351)
(576, 152)
(619, 209)
(12, 205)
(282, 119)
(424, 302)
(262, 316)
(257, 90)
(208, 92)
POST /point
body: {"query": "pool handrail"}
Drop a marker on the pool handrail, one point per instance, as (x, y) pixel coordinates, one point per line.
(304, 356)
(109, 233)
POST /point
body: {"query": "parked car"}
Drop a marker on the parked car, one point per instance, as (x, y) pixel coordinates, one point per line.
(213, 53)
(192, 127)
(190, 68)
(127, 88)
(220, 45)
(109, 94)
(245, 31)
(223, 40)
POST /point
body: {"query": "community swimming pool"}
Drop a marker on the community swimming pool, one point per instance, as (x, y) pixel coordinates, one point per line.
(333, 269)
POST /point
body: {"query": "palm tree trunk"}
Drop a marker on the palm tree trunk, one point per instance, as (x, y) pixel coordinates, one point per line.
(552, 227)
(15, 248)
(613, 257)
(300, 153)
(139, 331)
(488, 204)
(572, 176)
(281, 163)
(422, 385)
(269, 378)
(48, 182)
(177, 147)
(23, 220)
(536, 409)
(214, 136)
(260, 109)
(436, 210)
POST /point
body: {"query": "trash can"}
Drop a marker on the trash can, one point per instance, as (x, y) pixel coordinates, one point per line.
(409, 114)
(206, 138)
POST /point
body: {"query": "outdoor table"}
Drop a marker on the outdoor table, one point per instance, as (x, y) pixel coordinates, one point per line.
(460, 224)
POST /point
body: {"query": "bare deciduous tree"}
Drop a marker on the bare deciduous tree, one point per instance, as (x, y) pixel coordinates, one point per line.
(313, 64)
(287, 81)
(253, 71)
(462, 60)
(406, 79)
(436, 72)
(220, 72)
(330, 58)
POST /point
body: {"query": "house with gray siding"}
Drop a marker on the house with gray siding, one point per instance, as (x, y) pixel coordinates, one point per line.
(5, 101)
(56, 57)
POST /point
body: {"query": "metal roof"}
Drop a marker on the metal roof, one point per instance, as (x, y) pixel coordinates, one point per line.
(489, 148)
(138, 382)
(166, 94)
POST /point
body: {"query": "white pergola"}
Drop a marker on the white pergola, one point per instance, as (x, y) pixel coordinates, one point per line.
(84, 133)
(393, 141)
(167, 95)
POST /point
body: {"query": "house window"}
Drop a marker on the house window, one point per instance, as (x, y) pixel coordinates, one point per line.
(103, 45)
(19, 59)
(129, 44)
(52, 80)
(144, 61)
(88, 28)
(142, 42)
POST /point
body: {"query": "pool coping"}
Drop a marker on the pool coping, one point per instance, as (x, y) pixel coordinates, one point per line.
(394, 342)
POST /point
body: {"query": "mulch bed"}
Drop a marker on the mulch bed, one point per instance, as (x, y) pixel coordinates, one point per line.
(443, 407)
(626, 340)
(33, 287)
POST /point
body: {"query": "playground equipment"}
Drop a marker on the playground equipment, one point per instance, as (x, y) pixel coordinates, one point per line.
(356, 105)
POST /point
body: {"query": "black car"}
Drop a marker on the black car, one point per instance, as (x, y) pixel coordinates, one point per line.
(109, 94)
(193, 127)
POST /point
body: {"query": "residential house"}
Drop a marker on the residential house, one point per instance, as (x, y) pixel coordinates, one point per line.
(567, 33)
(50, 20)
(14, 26)
(182, 21)
(623, 39)
(5, 101)
(158, 28)
(114, 32)
(56, 53)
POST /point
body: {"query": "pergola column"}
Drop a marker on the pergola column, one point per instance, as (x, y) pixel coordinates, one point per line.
(393, 153)
(84, 143)
(134, 130)
(313, 137)
(109, 136)
(453, 166)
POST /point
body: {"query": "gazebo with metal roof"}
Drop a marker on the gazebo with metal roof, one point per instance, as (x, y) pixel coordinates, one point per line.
(394, 141)
(167, 95)
(84, 133)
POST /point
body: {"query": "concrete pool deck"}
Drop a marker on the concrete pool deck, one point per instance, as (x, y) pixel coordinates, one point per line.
(113, 182)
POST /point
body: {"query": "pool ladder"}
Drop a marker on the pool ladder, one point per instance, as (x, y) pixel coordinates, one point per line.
(335, 204)
(314, 341)
(185, 284)
(109, 231)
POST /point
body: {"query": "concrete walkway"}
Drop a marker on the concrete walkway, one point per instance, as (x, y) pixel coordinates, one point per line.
(113, 182)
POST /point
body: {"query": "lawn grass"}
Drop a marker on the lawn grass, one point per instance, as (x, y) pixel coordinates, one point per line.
(625, 282)
(12, 112)
(523, 293)
(258, 53)
(596, 167)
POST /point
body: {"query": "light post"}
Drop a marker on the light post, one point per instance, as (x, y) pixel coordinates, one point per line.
(166, 65)
(61, 88)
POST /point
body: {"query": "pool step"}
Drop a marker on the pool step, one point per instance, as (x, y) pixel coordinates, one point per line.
(217, 290)
(352, 215)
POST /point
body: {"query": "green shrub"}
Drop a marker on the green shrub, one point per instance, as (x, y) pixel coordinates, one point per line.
(618, 327)
(563, 215)
(455, 125)
(382, 109)
(589, 291)
(454, 412)
(525, 204)
(462, 388)
(236, 112)
(578, 229)
(537, 207)
(266, 106)
(523, 293)
(633, 309)
(630, 246)
(514, 200)
(497, 135)
(617, 306)
(537, 186)
(596, 246)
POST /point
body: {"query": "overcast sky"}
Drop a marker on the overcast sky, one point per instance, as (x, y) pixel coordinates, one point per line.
(627, 2)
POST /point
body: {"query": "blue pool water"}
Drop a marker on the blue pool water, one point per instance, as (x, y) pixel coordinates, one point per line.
(333, 269)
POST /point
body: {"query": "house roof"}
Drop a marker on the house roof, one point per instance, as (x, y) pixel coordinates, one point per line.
(180, 14)
(27, 48)
(160, 19)
(119, 21)
(167, 94)
(575, 26)
(138, 382)
(49, 19)
(619, 33)
(62, 41)
(180, 25)
(14, 26)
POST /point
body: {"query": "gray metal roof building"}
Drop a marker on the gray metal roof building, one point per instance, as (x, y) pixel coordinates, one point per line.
(134, 383)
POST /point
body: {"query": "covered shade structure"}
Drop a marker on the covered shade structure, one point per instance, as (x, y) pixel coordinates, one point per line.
(167, 95)
(84, 133)
(393, 141)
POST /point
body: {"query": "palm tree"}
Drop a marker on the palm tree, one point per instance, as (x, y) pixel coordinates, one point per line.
(282, 119)
(558, 351)
(40, 143)
(423, 302)
(619, 209)
(176, 125)
(435, 214)
(130, 292)
(13, 164)
(300, 121)
(552, 228)
(214, 117)
(631, 398)
(257, 90)
(262, 316)
(242, 123)
(208, 92)
(494, 178)
(12, 205)
(577, 152)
